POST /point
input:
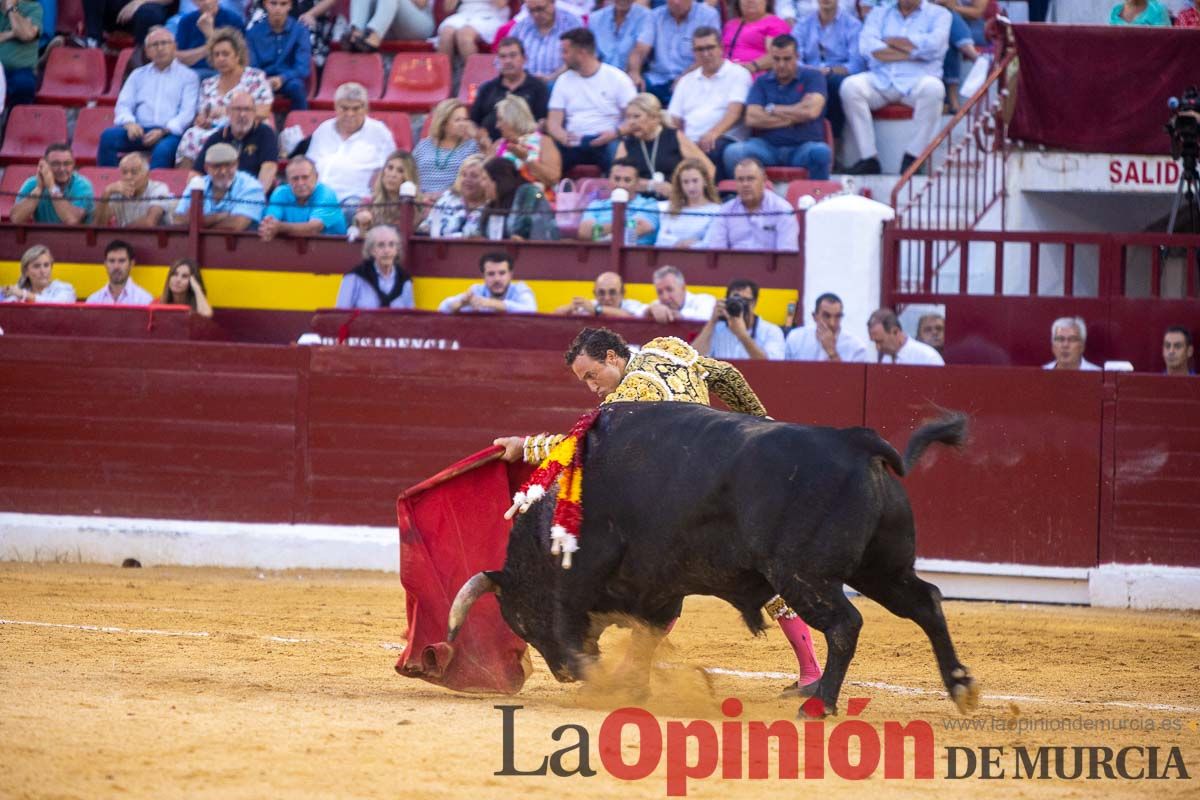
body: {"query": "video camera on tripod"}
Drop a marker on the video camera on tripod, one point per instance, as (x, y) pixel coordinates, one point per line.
(1184, 128)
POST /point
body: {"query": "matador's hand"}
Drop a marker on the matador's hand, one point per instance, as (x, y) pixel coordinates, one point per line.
(514, 448)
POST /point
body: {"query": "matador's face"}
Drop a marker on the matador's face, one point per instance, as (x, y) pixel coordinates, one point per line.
(602, 377)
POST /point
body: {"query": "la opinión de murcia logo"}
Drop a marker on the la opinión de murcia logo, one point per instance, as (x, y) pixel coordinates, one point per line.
(852, 749)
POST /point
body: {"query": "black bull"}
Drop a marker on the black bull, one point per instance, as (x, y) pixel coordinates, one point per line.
(680, 499)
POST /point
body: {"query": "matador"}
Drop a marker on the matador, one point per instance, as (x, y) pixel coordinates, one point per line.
(667, 369)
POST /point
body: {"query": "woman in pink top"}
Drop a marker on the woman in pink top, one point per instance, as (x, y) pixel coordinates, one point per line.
(749, 32)
(1189, 17)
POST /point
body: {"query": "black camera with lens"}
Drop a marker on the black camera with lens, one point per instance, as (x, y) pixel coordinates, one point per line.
(736, 306)
(1184, 126)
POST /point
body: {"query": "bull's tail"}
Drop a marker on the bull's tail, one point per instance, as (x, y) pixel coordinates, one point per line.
(950, 430)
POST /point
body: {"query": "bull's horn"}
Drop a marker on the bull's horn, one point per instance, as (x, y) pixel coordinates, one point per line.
(479, 585)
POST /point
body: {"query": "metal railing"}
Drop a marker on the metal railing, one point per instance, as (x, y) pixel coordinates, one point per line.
(960, 177)
(1152, 266)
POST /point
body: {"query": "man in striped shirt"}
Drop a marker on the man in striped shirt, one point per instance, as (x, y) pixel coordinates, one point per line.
(539, 34)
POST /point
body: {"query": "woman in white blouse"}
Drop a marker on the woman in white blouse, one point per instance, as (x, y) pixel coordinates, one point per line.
(36, 284)
(693, 205)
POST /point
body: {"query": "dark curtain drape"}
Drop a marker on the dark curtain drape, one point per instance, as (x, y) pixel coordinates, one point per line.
(1101, 89)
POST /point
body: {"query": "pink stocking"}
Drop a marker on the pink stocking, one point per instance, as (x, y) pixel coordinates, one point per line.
(800, 638)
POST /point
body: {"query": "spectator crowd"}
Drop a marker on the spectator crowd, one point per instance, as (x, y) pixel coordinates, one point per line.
(679, 110)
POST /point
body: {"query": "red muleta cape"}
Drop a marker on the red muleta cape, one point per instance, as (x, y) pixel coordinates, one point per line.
(451, 527)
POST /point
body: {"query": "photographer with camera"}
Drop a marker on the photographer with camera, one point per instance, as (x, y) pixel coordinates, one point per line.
(735, 331)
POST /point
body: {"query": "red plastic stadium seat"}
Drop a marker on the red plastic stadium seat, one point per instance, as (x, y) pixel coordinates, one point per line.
(100, 177)
(175, 179)
(74, 76)
(893, 111)
(30, 130)
(307, 120)
(88, 126)
(10, 184)
(401, 126)
(789, 174)
(406, 46)
(786, 174)
(480, 68)
(818, 189)
(418, 82)
(364, 68)
(120, 70)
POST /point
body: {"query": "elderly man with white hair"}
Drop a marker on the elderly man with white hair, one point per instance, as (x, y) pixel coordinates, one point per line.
(1068, 338)
(674, 301)
(134, 201)
(351, 147)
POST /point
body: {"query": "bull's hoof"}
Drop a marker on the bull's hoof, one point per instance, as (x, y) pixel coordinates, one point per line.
(816, 708)
(964, 692)
(796, 690)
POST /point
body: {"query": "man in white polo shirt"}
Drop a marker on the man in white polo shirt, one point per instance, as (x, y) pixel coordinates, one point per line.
(351, 147)
(675, 302)
(708, 102)
(586, 104)
(1068, 338)
(897, 347)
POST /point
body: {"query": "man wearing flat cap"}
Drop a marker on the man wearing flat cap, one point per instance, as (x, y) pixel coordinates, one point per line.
(233, 200)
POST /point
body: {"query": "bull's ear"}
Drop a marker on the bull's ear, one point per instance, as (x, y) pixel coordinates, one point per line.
(497, 577)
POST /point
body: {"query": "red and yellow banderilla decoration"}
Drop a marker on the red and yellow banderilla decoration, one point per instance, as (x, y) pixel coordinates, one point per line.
(564, 464)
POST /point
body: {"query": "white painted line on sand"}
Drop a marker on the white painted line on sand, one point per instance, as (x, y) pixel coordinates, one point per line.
(105, 628)
(912, 690)
(732, 673)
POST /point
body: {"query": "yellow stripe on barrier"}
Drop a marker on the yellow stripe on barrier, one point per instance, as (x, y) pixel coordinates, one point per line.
(303, 291)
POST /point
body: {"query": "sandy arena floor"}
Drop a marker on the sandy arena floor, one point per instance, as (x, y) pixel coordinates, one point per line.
(213, 683)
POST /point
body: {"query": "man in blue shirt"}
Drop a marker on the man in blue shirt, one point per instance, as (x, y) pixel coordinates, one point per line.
(668, 33)
(498, 293)
(540, 33)
(196, 28)
(57, 193)
(828, 41)
(616, 28)
(303, 207)
(786, 110)
(280, 47)
(904, 45)
(233, 201)
(156, 105)
(728, 335)
(641, 214)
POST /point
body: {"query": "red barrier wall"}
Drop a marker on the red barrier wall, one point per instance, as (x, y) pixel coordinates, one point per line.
(169, 323)
(1062, 469)
(1153, 435)
(429, 329)
(1025, 488)
(147, 429)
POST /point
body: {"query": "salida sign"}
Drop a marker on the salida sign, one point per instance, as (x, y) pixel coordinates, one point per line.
(1108, 173)
(1142, 172)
